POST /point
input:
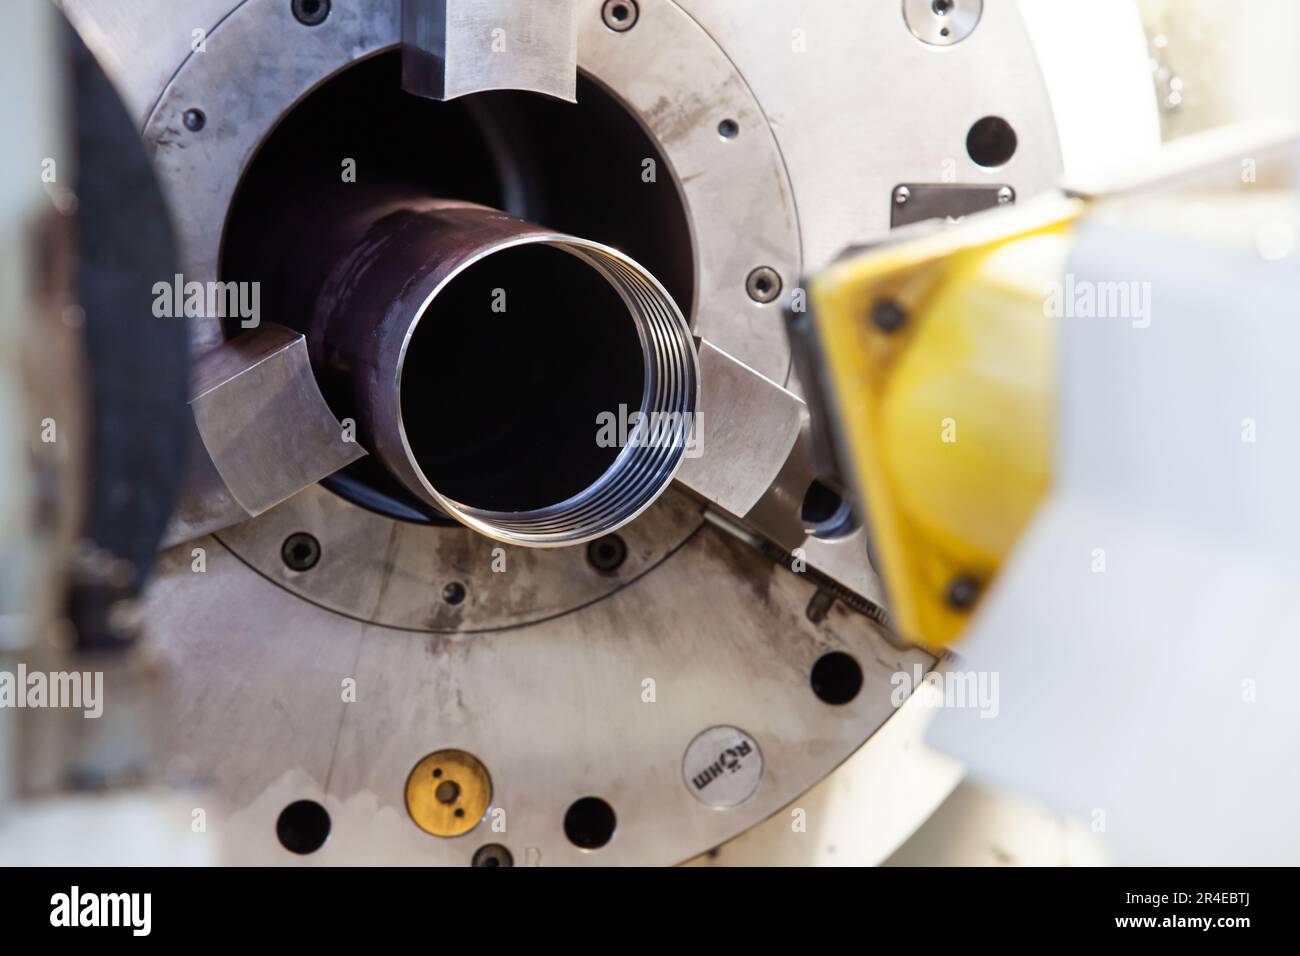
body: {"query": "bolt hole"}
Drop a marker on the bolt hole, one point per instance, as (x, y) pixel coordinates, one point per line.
(619, 15)
(438, 772)
(945, 32)
(763, 285)
(607, 554)
(303, 826)
(836, 678)
(459, 812)
(991, 141)
(493, 854)
(194, 120)
(942, 8)
(589, 823)
(454, 593)
(310, 13)
(300, 551)
(728, 129)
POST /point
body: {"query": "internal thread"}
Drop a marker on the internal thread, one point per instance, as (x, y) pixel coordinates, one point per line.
(646, 465)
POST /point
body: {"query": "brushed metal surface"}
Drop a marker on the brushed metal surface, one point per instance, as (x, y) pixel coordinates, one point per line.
(380, 570)
(555, 711)
(833, 104)
(857, 106)
(453, 47)
(244, 393)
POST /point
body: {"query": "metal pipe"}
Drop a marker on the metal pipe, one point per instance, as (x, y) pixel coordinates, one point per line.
(537, 387)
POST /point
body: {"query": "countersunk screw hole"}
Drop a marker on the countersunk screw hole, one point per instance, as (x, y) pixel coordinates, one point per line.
(728, 129)
(763, 285)
(493, 854)
(311, 13)
(607, 554)
(194, 120)
(300, 551)
(620, 15)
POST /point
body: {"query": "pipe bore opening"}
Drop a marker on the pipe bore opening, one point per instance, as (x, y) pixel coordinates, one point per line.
(506, 374)
(548, 389)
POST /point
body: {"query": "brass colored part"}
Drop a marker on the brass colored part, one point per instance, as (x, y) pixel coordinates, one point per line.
(448, 793)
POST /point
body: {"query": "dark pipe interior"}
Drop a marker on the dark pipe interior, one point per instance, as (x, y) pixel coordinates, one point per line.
(500, 407)
(576, 169)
